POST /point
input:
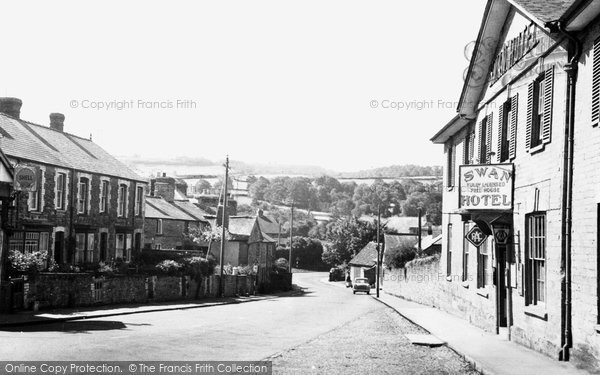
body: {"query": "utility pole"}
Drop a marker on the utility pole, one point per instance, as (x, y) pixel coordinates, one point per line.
(378, 248)
(291, 234)
(222, 254)
(419, 230)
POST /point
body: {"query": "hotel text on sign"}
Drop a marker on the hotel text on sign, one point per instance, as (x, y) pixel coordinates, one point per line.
(486, 187)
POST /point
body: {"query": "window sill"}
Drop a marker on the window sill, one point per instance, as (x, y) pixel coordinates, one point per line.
(536, 149)
(483, 293)
(536, 312)
(449, 278)
(597, 328)
(465, 284)
(449, 188)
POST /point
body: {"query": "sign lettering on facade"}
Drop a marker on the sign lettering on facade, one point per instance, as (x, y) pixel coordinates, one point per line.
(486, 187)
(25, 178)
(513, 51)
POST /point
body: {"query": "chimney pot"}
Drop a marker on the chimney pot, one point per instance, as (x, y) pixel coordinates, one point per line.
(11, 107)
(57, 121)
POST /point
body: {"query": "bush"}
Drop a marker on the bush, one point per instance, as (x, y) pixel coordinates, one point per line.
(281, 265)
(169, 267)
(32, 262)
(397, 257)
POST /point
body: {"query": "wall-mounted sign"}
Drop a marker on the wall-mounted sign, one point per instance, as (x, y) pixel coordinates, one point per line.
(513, 51)
(501, 236)
(25, 178)
(476, 236)
(487, 187)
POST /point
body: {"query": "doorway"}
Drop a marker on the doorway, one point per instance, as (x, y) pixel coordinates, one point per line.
(59, 247)
(103, 246)
(501, 295)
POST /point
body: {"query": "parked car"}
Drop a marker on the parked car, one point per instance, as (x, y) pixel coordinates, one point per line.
(336, 274)
(361, 284)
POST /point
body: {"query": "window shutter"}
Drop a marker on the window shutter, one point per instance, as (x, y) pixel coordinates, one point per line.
(480, 138)
(453, 176)
(471, 145)
(548, 95)
(465, 147)
(512, 146)
(596, 84)
(530, 90)
(501, 126)
(489, 149)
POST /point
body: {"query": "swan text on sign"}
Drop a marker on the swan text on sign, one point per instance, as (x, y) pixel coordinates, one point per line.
(486, 187)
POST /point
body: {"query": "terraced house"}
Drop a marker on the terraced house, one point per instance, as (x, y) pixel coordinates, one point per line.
(87, 206)
(521, 202)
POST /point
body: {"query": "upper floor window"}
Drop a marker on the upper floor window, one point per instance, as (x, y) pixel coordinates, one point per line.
(122, 204)
(450, 163)
(503, 131)
(159, 226)
(449, 251)
(468, 146)
(485, 139)
(61, 190)
(33, 200)
(535, 262)
(104, 189)
(539, 109)
(139, 200)
(83, 195)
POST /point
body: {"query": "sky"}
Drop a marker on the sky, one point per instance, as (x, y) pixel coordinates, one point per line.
(342, 84)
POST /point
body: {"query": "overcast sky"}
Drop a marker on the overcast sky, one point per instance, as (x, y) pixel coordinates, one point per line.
(263, 81)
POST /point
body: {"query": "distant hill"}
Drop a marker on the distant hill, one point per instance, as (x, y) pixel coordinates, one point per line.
(394, 171)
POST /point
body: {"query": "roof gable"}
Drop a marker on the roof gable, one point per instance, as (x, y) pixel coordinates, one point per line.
(367, 257)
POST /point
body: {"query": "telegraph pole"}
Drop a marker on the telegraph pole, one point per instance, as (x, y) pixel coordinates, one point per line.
(222, 254)
(419, 231)
(291, 231)
(378, 248)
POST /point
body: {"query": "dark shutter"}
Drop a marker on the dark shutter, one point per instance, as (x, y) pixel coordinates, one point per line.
(465, 143)
(596, 84)
(530, 90)
(471, 145)
(501, 125)
(512, 146)
(480, 138)
(548, 95)
(453, 181)
(490, 121)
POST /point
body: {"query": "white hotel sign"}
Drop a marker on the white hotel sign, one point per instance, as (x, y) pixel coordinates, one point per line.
(486, 187)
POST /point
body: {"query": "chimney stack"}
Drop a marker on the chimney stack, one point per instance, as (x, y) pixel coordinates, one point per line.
(57, 121)
(11, 107)
(220, 217)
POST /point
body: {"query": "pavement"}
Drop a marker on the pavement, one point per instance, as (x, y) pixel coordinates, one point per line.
(488, 353)
(26, 318)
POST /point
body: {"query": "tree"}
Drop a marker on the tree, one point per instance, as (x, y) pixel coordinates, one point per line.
(396, 257)
(202, 185)
(347, 236)
(258, 188)
(306, 253)
(368, 198)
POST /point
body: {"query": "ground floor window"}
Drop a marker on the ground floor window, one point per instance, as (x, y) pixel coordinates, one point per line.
(28, 242)
(465, 262)
(85, 247)
(483, 276)
(535, 261)
(123, 246)
(449, 251)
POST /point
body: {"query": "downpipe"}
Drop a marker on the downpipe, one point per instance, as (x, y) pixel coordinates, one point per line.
(567, 193)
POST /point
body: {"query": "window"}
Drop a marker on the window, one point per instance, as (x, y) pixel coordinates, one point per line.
(503, 133)
(128, 247)
(82, 195)
(27, 242)
(61, 183)
(120, 245)
(539, 110)
(159, 226)
(451, 161)
(449, 251)
(596, 84)
(465, 260)
(485, 139)
(157, 246)
(33, 201)
(535, 262)
(139, 200)
(104, 189)
(84, 247)
(482, 265)
(122, 205)
(468, 148)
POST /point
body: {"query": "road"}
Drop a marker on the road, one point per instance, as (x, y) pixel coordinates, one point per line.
(325, 323)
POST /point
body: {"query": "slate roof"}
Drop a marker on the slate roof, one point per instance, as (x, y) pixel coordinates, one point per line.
(545, 10)
(366, 257)
(29, 141)
(241, 225)
(394, 241)
(268, 224)
(428, 241)
(157, 204)
(191, 209)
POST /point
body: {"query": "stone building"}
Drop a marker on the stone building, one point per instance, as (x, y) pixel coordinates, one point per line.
(171, 217)
(521, 167)
(86, 206)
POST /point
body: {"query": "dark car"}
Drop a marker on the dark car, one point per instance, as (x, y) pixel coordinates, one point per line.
(361, 284)
(336, 274)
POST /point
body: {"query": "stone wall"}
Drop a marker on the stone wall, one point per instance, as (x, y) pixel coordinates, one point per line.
(57, 290)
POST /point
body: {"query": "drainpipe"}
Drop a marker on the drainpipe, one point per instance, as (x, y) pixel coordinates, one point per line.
(567, 191)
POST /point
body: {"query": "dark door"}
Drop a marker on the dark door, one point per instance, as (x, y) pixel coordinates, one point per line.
(59, 247)
(103, 246)
(138, 243)
(501, 284)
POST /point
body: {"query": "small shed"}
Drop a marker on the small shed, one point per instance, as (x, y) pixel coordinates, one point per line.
(364, 264)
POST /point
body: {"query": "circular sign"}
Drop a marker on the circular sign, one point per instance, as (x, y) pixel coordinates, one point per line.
(25, 179)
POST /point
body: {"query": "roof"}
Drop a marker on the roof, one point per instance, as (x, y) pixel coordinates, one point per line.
(191, 209)
(164, 208)
(32, 142)
(241, 225)
(268, 224)
(395, 241)
(428, 241)
(367, 257)
(544, 10)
